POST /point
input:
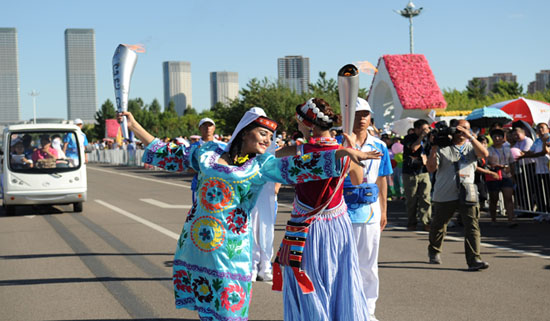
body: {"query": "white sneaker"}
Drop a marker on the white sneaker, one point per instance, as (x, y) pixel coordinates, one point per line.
(372, 318)
(266, 276)
(254, 276)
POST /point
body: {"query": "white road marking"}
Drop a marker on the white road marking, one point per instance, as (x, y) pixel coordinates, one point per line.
(140, 220)
(488, 245)
(162, 204)
(284, 205)
(139, 177)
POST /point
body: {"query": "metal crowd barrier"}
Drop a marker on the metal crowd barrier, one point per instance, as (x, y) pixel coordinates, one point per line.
(116, 157)
(532, 193)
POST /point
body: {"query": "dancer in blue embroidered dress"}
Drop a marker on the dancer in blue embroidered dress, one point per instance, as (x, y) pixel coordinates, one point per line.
(212, 263)
(321, 279)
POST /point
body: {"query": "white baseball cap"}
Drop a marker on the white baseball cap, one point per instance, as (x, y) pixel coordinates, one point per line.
(206, 120)
(362, 105)
(78, 121)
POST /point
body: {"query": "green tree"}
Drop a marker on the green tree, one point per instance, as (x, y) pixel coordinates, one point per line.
(88, 129)
(508, 88)
(155, 106)
(107, 111)
(189, 111)
(476, 89)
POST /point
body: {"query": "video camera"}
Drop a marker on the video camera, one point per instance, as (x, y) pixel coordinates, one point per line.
(443, 134)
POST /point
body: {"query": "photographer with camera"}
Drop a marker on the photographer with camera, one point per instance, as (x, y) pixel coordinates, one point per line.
(455, 189)
(416, 179)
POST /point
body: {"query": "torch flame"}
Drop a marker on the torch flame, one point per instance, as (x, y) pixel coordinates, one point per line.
(366, 67)
(140, 48)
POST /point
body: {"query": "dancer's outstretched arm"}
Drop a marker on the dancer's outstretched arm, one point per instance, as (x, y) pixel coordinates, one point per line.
(135, 127)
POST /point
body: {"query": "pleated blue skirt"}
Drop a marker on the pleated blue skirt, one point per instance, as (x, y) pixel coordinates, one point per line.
(330, 261)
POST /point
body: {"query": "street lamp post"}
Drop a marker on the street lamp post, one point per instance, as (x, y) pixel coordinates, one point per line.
(34, 94)
(410, 12)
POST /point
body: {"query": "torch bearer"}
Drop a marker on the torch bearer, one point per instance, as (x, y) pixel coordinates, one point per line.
(124, 62)
(348, 89)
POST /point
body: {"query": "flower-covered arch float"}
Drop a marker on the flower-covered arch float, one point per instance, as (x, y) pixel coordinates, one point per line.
(404, 86)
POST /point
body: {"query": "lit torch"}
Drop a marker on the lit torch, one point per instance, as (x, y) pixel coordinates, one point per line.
(124, 61)
(348, 90)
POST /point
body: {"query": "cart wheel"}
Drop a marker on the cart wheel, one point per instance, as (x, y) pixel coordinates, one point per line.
(77, 207)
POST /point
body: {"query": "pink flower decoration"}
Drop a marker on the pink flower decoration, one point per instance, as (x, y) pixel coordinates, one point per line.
(414, 82)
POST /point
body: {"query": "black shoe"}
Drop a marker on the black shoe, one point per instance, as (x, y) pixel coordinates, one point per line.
(434, 258)
(478, 265)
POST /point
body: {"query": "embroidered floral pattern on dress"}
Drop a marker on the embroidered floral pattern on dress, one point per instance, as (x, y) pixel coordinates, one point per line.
(307, 177)
(233, 297)
(182, 281)
(213, 273)
(171, 163)
(207, 233)
(191, 214)
(307, 161)
(202, 289)
(305, 167)
(237, 221)
(167, 156)
(216, 195)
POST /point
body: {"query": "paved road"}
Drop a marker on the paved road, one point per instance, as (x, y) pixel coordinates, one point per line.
(113, 261)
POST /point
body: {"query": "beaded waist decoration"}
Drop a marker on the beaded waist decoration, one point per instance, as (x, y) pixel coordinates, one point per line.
(301, 210)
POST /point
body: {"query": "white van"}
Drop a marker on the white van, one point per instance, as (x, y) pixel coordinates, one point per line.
(35, 169)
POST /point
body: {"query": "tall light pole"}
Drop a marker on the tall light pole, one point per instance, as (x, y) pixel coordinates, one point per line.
(410, 12)
(34, 93)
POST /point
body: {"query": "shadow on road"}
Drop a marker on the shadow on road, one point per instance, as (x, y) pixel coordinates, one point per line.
(156, 319)
(407, 265)
(41, 256)
(23, 210)
(78, 280)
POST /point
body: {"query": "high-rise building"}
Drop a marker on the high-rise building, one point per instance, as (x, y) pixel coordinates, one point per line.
(542, 80)
(293, 72)
(490, 82)
(81, 75)
(9, 77)
(177, 84)
(531, 87)
(224, 87)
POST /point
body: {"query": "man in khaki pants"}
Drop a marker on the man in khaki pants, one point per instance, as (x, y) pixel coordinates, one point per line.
(456, 165)
(416, 179)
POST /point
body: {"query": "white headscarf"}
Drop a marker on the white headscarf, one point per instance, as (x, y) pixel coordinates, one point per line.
(250, 116)
(56, 144)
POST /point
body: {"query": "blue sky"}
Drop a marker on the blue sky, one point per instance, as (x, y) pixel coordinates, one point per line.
(460, 39)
